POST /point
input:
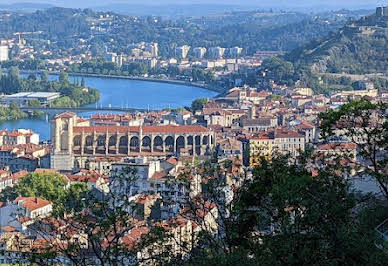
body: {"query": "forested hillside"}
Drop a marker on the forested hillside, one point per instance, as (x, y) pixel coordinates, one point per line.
(358, 48)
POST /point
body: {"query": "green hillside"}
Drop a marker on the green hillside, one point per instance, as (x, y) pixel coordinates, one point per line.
(358, 48)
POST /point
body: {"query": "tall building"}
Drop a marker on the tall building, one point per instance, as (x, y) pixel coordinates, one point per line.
(114, 58)
(153, 49)
(235, 51)
(182, 51)
(217, 52)
(4, 52)
(199, 52)
(382, 11)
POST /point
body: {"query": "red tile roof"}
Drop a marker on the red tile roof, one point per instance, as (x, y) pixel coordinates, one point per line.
(32, 203)
(146, 129)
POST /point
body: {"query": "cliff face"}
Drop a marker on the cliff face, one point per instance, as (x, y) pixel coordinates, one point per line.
(358, 48)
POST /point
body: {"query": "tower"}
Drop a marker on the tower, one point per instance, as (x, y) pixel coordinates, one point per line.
(62, 157)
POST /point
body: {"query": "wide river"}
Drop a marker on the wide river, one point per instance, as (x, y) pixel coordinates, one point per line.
(123, 93)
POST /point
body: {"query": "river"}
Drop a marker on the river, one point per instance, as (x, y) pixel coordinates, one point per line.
(123, 93)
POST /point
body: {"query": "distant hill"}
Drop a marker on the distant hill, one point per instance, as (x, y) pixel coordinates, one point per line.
(24, 7)
(360, 47)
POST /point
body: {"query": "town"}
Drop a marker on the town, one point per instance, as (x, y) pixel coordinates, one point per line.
(103, 182)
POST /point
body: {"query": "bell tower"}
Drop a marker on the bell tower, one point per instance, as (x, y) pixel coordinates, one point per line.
(62, 157)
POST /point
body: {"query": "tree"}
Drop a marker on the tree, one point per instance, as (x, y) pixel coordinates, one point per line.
(83, 82)
(63, 77)
(198, 104)
(285, 216)
(365, 124)
(45, 77)
(45, 185)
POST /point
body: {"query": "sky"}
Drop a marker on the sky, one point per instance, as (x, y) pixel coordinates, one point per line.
(354, 4)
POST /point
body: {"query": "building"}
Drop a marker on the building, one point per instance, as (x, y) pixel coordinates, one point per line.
(217, 52)
(20, 136)
(199, 52)
(259, 124)
(74, 141)
(24, 157)
(114, 58)
(281, 140)
(182, 51)
(382, 11)
(24, 98)
(23, 211)
(4, 53)
(235, 52)
(144, 176)
(153, 49)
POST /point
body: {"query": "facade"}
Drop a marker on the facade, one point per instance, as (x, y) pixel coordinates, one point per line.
(280, 140)
(145, 176)
(199, 52)
(235, 52)
(4, 53)
(21, 136)
(74, 141)
(153, 49)
(217, 52)
(182, 51)
(23, 210)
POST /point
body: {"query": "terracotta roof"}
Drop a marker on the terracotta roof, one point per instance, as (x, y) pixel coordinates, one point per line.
(337, 146)
(16, 176)
(146, 129)
(8, 229)
(32, 203)
(66, 115)
(287, 133)
(172, 160)
(131, 239)
(159, 175)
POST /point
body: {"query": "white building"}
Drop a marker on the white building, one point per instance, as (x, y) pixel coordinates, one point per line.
(4, 53)
(217, 52)
(235, 51)
(199, 52)
(23, 211)
(145, 176)
(153, 49)
(182, 51)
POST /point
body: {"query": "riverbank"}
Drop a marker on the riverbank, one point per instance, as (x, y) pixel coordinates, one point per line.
(149, 79)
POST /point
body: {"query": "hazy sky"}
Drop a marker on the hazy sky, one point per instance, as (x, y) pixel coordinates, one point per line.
(258, 3)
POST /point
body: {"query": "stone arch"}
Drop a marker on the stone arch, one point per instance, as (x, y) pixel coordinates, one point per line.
(158, 144)
(169, 144)
(123, 145)
(77, 141)
(180, 144)
(76, 164)
(197, 146)
(190, 144)
(112, 144)
(205, 140)
(135, 144)
(101, 144)
(146, 144)
(77, 144)
(88, 147)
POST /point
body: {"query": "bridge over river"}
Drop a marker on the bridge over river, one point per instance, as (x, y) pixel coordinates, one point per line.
(84, 109)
